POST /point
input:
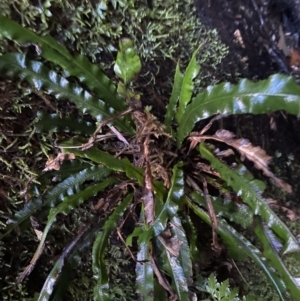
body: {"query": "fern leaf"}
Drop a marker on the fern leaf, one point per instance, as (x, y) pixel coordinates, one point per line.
(101, 292)
(238, 213)
(238, 246)
(128, 64)
(191, 232)
(68, 204)
(57, 281)
(38, 75)
(144, 273)
(171, 107)
(113, 163)
(178, 277)
(66, 188)
(56, 123)
(184, 253)
(107, 160)
(170, 207)
(143, 269)
(174, 268)
(186, 91)
(255, 202)
(271, 254)
(279, 92)
(79, 66)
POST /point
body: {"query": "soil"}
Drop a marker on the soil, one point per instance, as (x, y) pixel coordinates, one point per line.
(251, 30)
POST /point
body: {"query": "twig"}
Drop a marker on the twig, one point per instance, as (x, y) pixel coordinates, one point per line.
(161, 279)
(210, 209)
(233, 262)
(148, 198)
(208, 126)
(212, 215)
(111, 118)
(119, 135)
(47, 102)
(94, 138)
(122, 239)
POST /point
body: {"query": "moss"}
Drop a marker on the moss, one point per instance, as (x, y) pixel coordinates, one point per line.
(256, 282)
(169, 30)
(18, 140)
(121, 276)
(163, 35)
(121, 272)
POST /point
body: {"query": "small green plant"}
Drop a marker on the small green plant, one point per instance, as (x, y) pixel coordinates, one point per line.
(218, 291)
(127, 163)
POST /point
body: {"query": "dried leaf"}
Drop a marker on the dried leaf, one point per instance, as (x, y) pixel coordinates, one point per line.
(208, 169)
(35, 225)
(225, 153)
(38, 234)
(238, 36)
(282, 43)
(99, 204)
(273, 124)
(161, 173)
(52, 164)
(147, 124)
(212, 215)
(171, 243)
(290, 214)
(148, 198)
(119, 135)
(162, 279)
(210, 208)
(294, 58)
(56, 162)
(253, 153)
(244, 59)
(208, 126)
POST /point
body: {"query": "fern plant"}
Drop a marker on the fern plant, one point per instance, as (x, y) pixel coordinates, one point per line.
(161, 172)
(218, 291)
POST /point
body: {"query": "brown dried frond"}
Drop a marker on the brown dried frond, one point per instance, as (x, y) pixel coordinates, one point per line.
(247, 150)
(253, 153)
(148, 191)
(171, 243)
(54, 163)
(290, 214)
